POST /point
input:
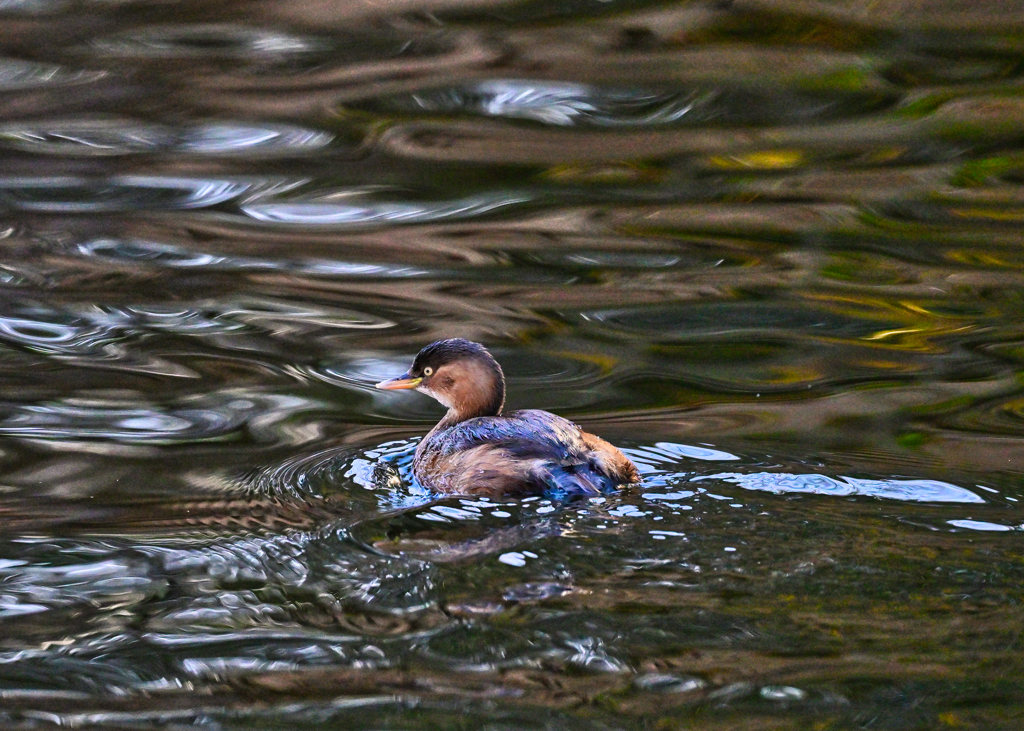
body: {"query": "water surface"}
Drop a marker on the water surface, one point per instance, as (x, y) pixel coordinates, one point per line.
(771, 250)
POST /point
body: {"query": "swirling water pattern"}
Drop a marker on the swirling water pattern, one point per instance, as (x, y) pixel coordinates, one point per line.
(772, 250)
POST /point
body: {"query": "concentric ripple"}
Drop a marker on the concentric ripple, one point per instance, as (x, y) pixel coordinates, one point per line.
(198, 419)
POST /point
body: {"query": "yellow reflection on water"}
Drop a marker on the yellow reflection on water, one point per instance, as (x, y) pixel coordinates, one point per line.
(761, 160)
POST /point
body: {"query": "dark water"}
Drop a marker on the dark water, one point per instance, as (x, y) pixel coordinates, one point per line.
(772, 250)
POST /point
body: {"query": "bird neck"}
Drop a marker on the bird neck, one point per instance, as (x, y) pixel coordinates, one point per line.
(447, 421)
(473, 403)
(483, 402)
(485, 398)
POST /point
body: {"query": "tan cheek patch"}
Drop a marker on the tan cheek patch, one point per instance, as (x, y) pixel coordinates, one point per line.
(448, 383)
(473, 384)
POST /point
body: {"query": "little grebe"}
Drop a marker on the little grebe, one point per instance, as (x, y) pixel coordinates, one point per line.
(475, 450)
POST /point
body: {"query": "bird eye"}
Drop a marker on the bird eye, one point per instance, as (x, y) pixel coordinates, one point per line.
(428, 371)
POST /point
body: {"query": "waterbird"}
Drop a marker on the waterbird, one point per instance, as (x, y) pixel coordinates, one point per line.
(476, 450)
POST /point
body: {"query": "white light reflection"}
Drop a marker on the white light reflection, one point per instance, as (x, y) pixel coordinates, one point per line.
(318, 213)
(930, 491)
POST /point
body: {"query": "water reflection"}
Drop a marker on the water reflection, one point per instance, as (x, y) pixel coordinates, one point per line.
(166, 255)
(213, 416)
(79, 195)
(248, 139)
(917, 490)
(558, 104)
(104, 136)
(981, 525)
(30, 590)
(16, 75)
(92, 137)
(208, 40)
(569, 104)
(336, 210)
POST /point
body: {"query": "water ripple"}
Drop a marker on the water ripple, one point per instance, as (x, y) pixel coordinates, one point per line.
(119, 193)
(704, 320)
(16, 75)
(370, 213)
(932, 491)
(983, 525)
(558, 103)
(56, 333)
(384, 471)
(208, 41)
(99, 137)
(237, 138)
(31, 589)
(177, 257)
(563, 104)
(318, 578)
(195, 419)
(105, 336)
(85, 137)
(281, 316)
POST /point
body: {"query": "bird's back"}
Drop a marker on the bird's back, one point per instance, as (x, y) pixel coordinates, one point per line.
(525, 451)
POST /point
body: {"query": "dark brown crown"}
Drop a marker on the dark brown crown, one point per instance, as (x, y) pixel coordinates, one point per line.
(444, 352)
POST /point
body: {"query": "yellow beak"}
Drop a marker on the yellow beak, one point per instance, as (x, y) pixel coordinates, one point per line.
(402, 382)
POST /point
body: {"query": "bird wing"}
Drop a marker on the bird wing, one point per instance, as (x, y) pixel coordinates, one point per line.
(529, 434)
(529, 449)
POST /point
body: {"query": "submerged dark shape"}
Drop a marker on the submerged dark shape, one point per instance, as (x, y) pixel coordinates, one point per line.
(475, 450)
